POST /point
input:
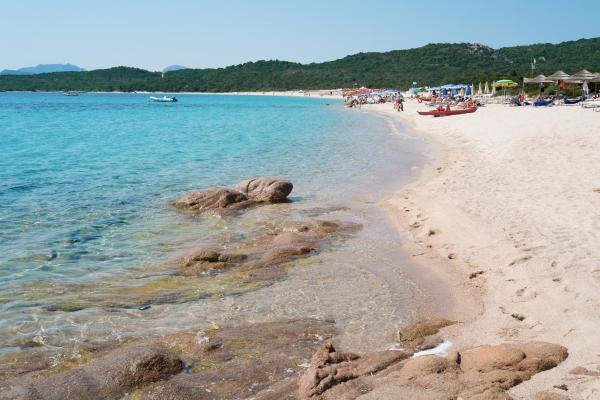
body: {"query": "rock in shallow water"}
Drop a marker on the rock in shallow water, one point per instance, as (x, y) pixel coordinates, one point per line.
(245, 194)
(267, 188)
(211, 199)
(104, 378)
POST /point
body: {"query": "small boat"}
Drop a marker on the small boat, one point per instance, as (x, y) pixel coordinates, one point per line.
(69, 93)
(444, 111)
(164, 99)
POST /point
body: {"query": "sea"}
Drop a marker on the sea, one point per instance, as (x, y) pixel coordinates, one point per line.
(86, 185)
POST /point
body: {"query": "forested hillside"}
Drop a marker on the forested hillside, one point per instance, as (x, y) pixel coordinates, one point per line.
(432, 64)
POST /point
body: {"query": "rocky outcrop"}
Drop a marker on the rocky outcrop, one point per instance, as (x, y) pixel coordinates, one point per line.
(211, 199)
(245, 194)
(267, 188)
(261, 255)
(104, 378)
(485, 372)
(267, 361)
(238, 362)
(329, 368)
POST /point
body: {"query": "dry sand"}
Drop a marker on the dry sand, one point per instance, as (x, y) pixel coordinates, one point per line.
(511, 192)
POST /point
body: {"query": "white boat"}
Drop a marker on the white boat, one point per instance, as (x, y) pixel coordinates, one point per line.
(164, 99)
(70, 93)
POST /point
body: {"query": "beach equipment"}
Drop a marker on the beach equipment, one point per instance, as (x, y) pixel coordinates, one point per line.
(559, 76)
(584, 76)
(479, 91)
(163, 99)
(544, 103)
(446, 111)
(569, 101)
(540, 79)
(505, 83)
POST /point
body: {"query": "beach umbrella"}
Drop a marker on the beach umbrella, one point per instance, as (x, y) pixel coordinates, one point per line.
(559, 76)
(479, 89)
(505, 83)
(537, 79)
(493, 90)
(487, 88)
(584, 76)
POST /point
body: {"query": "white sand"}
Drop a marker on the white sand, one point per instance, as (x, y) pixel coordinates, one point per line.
(511, 193)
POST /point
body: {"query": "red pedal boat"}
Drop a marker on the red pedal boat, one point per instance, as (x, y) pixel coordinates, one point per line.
(443, 111)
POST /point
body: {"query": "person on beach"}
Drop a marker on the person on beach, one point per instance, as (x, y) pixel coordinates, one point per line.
(399, 105)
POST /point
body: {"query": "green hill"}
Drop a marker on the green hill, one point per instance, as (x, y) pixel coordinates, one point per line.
(432, 64)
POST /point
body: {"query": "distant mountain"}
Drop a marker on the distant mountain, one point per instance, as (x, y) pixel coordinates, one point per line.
(433, 64)
(43, 69)
(174, 67)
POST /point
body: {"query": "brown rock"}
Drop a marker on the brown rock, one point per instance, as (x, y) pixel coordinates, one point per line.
(262, 360)
(482, 373)
(329, 368)
(211, 199)
(414, 335)
(266, 188)
(104, 378)
(488, 358)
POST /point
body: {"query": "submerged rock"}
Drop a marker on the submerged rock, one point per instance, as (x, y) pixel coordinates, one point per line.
(237, 362)
(267, 188)
(104, 378)
(261, 256)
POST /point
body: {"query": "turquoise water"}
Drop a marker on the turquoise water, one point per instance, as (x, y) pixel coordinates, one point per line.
(85, 182)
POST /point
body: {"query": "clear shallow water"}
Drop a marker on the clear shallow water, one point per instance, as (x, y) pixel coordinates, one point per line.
(85, 184)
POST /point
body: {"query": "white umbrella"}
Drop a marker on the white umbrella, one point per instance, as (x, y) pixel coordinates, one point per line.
(479, 91)
(487, 88)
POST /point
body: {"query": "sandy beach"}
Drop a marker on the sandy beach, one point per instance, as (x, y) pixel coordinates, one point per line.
(508, 210)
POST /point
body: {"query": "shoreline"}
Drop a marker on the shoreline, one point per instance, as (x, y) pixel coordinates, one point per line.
(501, 245)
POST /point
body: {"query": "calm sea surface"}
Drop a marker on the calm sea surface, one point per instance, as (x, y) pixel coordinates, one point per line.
(85, 185)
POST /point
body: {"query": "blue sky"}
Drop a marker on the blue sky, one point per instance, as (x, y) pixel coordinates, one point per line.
(153, 34)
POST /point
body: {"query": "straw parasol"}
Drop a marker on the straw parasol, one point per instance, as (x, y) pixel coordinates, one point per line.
(538, 79)
(559, 76)
(584, 76)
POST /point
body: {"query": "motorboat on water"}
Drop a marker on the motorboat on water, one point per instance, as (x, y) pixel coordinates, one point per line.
(70, 93)
(164, 99)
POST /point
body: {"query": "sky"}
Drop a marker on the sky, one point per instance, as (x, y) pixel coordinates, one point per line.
(153, 34)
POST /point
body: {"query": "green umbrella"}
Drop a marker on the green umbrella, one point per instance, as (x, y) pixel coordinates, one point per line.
(506, 83)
